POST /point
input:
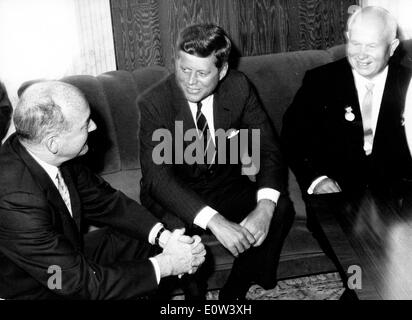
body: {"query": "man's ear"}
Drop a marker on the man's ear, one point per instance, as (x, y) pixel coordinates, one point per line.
(223, 71)
(394, 44)
(52, 144)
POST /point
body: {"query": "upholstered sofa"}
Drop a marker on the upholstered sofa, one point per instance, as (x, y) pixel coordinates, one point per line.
(114, 149)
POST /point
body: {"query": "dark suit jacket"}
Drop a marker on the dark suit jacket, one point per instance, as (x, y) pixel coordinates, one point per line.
(37, 231)
(181, 188)
(319, 140)
(5, 112)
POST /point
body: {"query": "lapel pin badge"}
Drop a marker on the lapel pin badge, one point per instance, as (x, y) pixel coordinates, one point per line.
(349, 116)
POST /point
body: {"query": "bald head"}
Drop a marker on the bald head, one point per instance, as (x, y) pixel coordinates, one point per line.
(375, 18)
(46, 108)
(371, 41)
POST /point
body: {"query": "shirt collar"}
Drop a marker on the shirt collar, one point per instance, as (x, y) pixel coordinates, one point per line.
(206, 102)
(50, 169)
(379, 80)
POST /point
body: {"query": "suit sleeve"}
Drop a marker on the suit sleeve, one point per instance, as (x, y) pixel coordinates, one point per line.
(162, 183)
(102, 204)
(29, 239)
(266, 149)
(301, 131)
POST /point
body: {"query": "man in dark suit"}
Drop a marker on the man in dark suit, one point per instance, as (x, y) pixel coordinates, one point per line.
(325, 132)
(191, 179)
(343, 133)
(47, 197)
(5, 112)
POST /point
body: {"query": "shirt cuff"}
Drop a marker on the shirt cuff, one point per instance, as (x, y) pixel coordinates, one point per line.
(157, 269)
(153, 232)
(204, 216)
(315, 183)
(268, 193)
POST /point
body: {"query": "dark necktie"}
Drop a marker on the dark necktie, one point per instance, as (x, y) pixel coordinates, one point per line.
(367, 119)
(204, 133)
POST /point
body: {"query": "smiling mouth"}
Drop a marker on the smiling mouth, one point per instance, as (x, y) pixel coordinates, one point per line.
(191, 90)
(363, 64)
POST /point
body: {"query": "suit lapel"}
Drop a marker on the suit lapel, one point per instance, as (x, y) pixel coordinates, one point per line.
(391, 109)
(181, 110)
(348, 93)
(345, 96)
(52, 194)
(221, 110)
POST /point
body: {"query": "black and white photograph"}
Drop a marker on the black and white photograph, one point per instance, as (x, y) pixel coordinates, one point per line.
(206, 158)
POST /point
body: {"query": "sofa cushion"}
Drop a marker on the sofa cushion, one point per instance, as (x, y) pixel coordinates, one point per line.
(112, 98)
(127, 181)
(122, 89)
(277, 77)
(103, 155)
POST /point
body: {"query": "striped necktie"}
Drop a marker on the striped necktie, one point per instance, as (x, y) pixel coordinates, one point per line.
(204, 133)
(367, 119)
(64, 192)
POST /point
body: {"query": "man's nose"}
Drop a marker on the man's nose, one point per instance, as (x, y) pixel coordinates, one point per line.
(363, 53)
(192, 78)
(92, 126)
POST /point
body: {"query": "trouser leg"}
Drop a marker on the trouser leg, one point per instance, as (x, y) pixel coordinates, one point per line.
(106, 246)
(259, 264)
(336, 204)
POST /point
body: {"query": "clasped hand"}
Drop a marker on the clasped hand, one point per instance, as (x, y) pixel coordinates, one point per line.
(252, 231)
(258, 221)
(185, 254)
(232, 236)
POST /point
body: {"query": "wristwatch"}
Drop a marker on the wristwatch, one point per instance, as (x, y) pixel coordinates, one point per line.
(159, 233)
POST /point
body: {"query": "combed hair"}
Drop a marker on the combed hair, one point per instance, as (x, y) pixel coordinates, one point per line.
(35, 119)
(202, 40)
(391, 26)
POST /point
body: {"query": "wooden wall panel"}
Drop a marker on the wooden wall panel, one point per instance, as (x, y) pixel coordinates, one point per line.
(137, 33)
(282, 25)
(255, 26)
(261, 23)
(322, 23)
(177, 14)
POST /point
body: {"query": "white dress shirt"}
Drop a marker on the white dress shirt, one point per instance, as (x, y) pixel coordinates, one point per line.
(207, 213)
(50, 169)
(378, 88)
(379, 82)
